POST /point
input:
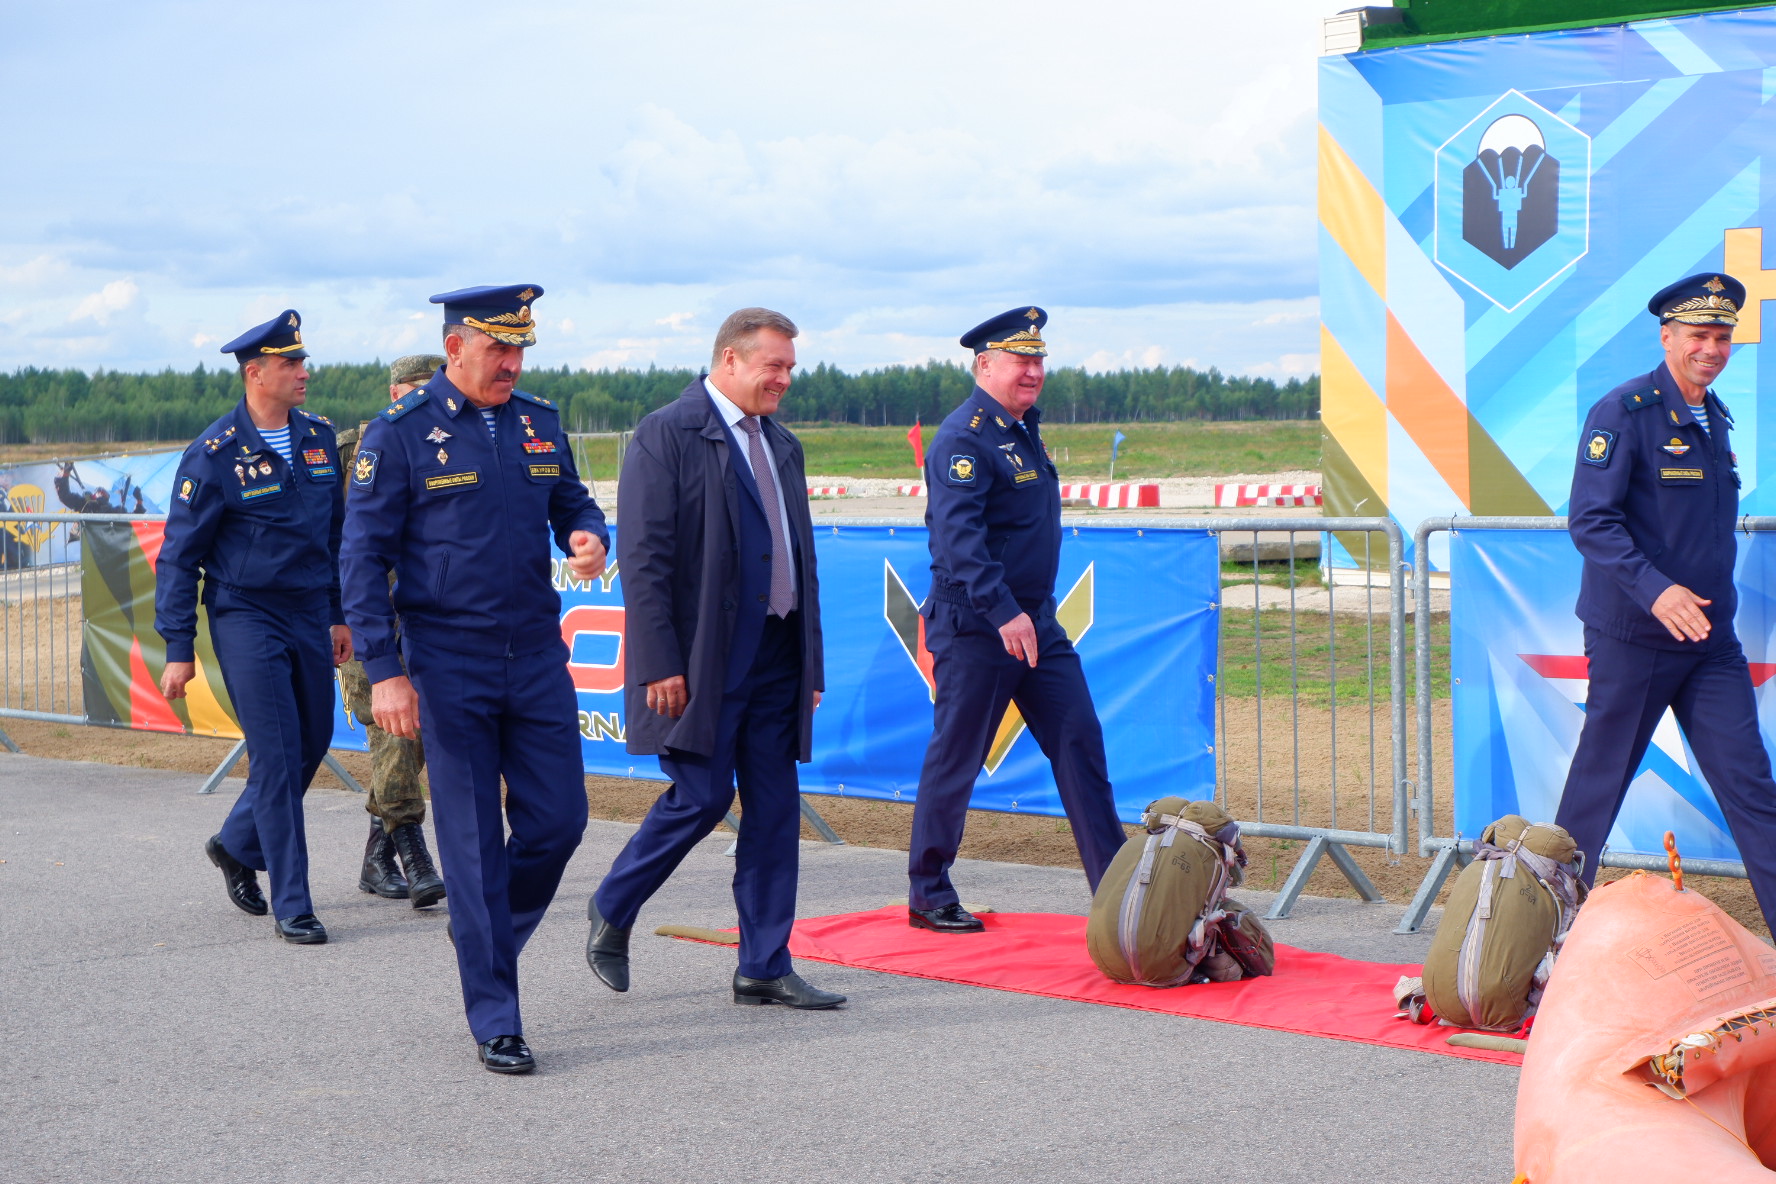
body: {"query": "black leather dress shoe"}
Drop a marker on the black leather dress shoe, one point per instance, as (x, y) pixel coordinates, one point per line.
(305, 930)
(506, 1054)
(242, 881)
(949, 918)
(791, 990)
(607, 950)
(381, 875)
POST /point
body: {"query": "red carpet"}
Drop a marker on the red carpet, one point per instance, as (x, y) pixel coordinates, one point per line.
(1044, 954)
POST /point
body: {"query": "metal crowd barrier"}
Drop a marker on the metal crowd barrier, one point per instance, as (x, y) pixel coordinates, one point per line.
(41, 631)
(1269, 818)
(1449, 853)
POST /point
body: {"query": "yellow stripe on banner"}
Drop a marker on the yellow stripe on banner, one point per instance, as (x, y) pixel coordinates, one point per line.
(1353, 213)
(1352, 413)
(207, 715)
(1075, 614)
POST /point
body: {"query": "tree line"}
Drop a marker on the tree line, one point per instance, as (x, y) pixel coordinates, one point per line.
(41, 406)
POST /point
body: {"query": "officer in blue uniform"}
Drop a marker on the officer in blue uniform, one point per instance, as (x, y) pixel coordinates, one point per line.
(994, 516)
(1655, 493)
(456, 488)
(256, 513)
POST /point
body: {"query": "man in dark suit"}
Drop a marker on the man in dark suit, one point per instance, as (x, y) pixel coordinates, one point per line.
(724, 666)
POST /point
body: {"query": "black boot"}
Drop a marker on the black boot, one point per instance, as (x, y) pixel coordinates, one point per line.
(380, 875)
(424, 884)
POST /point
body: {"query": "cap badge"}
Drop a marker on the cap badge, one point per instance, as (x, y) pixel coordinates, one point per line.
(1715, 285)
(527, 295)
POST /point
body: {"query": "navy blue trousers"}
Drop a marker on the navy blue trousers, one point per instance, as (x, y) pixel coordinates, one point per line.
(757, 739)
(976, 679)
(1709, 690)
(484, 718)
(278, 666)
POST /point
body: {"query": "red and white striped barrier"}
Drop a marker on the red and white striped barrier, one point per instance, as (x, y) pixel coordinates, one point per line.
(910, 490)
(826, 491)
(1117, 496)
(1267, 495)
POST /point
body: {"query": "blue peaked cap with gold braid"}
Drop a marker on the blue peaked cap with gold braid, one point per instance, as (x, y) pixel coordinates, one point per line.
(281, 336)
(502, 312)
(1712, 298)
(1018, 331)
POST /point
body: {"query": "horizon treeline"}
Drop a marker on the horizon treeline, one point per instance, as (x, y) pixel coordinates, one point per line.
(41, 406)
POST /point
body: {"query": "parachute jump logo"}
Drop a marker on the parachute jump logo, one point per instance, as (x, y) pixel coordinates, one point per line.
(1513, 200)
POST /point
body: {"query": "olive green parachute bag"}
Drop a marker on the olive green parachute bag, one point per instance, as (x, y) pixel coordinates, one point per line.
(1161, 917)
(1507, 916)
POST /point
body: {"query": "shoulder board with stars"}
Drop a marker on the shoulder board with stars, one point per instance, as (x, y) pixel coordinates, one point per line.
(405, 403)
(1638, 400)
(537, 399)
(312, 415)
(974, 422)
(214, 446)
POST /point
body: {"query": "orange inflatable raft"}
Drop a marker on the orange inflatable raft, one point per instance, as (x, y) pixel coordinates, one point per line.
(1654, 1051)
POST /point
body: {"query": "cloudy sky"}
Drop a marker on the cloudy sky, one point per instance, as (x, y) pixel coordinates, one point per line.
(885, 174)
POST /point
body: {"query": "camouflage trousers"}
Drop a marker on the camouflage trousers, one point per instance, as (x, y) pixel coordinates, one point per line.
(397, 792)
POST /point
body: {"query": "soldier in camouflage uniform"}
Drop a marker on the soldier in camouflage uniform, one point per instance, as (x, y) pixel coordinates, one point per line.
(397, 798)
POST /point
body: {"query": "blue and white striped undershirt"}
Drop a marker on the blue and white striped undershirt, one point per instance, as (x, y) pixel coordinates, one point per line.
(279, 438)
(487, 417)
(1700, 411)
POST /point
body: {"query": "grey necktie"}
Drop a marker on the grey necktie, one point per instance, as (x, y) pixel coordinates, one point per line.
(783, 600)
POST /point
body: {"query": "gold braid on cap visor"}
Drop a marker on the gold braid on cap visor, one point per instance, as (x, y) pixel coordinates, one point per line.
(1025, 342)
(1704, 310)
(512, 328)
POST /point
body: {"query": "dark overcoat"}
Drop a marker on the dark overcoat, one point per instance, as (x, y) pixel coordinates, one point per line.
(678, 558)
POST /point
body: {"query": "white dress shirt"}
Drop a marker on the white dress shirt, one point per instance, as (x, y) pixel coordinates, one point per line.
(732, 415)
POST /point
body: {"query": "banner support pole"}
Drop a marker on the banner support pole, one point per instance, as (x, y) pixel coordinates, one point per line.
(10, 746)
(226, 767)
(332, 762)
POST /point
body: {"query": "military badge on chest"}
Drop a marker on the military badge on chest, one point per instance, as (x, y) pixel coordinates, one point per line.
(254, 473)
(1675, 448)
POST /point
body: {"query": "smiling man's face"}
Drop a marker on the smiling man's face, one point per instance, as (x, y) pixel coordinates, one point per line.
(1696, 354)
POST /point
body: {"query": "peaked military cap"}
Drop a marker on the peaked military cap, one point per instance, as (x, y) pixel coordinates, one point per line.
(414, 368)
(1018, 331)
(1712, 298)
(280, 336)
(501, 312)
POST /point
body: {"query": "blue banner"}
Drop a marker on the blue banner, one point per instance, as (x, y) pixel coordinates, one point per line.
(1495, 213)
(1519, 675)
(1139, 605)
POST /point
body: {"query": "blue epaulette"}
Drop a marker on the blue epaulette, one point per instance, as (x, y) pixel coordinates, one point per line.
(1723, 406)
(214, 444)
(405, 403)
(537, 399)
(314, 416)
(974, 421)
(1636, 400)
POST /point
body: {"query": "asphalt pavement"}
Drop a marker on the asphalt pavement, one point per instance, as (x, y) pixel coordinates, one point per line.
(158, 1034)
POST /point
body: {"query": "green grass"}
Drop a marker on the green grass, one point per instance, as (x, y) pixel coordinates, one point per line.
(1247, 664)
(1082, 451)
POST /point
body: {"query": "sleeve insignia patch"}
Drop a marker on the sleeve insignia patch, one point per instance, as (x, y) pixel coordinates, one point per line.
(364, 471)
(187, 490)
(962, 469)
(1598, 446)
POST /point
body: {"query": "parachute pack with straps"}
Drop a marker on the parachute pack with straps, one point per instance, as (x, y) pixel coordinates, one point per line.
(1502, 929)
(1161, 916)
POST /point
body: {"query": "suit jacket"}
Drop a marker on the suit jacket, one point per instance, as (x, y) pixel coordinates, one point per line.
(680, 502)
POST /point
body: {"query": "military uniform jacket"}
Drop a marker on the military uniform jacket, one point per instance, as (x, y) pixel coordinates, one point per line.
(993, 511)
(1654, 502)
(463, 519)
(248, 522)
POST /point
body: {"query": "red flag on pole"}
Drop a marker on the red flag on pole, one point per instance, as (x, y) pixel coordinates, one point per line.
(916, 437)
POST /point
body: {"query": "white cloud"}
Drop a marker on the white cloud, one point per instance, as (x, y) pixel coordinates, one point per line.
(114, 297)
